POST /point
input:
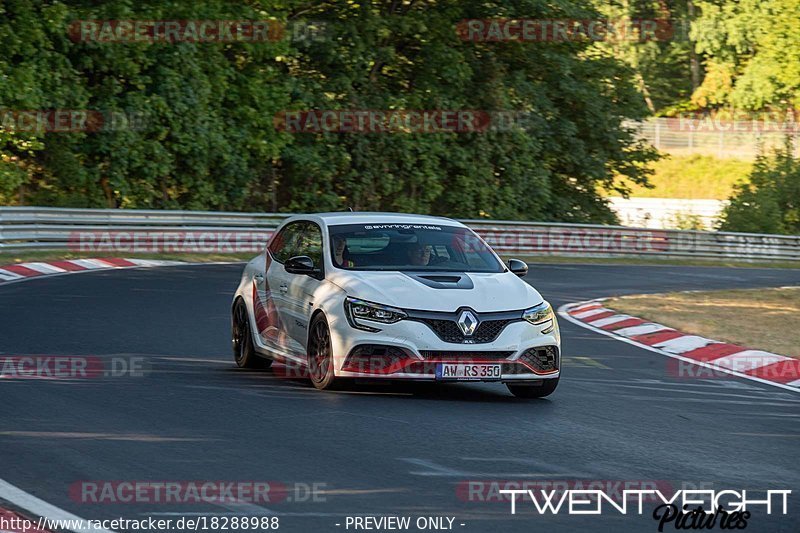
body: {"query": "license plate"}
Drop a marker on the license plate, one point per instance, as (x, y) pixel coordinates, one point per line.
(468, 371)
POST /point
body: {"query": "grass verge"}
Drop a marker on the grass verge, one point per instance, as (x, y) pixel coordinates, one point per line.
(694, 177)
(764, 319)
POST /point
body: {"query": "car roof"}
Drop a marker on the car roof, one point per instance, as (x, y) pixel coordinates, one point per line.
(365, 217)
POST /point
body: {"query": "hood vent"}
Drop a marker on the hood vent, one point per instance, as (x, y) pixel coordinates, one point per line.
(442, 281)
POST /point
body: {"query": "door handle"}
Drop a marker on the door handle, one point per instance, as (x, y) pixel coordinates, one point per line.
(259, 278)
(284, 288)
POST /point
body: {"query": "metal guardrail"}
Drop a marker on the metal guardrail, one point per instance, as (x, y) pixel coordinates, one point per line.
(107, 231)
(724, 139)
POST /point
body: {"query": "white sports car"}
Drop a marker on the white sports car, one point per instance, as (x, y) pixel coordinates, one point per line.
(393, 296)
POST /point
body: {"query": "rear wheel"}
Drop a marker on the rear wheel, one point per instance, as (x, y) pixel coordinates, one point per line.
(320, 354)
(533, 391)
(244, 352)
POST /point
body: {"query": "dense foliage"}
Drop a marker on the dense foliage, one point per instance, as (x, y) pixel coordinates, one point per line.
(770, 202)
(204, 111)
(205, 137)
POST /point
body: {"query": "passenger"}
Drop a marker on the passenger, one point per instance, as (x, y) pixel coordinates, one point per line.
(419, 254)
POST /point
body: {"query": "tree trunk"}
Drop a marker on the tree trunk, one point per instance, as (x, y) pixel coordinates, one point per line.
(694, 62)
(108, 193)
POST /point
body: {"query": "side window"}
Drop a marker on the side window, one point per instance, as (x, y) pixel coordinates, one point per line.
(284, 244)
(310, 243)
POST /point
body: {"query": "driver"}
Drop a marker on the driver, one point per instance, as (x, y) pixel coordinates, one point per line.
(419, 254)
(340, 251)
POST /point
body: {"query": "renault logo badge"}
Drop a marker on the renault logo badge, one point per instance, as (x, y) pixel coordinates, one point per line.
(467, 322)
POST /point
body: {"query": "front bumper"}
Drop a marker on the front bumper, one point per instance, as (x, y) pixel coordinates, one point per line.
(413, 350)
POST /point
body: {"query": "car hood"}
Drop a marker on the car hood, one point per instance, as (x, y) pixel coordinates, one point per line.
(488, 292)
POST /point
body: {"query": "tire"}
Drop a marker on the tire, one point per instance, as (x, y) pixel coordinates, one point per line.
(320, 354)
(534, 391)
(244, 353)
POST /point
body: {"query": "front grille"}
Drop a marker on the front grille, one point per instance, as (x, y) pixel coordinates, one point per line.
(446, 354)
(448, 330)
(374, 358)
(542, 360)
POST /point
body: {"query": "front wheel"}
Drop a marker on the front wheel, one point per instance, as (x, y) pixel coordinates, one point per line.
(320, 354)
(547, 388)
(242, 340)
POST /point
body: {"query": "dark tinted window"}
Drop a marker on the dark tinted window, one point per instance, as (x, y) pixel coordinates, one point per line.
(414, 247)
(285, 243)
(309, 243)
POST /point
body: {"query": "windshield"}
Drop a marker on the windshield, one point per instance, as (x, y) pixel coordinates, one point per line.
(415, 247)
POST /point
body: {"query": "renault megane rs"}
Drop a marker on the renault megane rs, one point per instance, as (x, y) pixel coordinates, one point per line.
(393, 296)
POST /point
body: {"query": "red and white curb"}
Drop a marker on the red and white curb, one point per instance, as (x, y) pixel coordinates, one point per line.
(36, 507)
(757, 365)
(12, 522)
(25, 271)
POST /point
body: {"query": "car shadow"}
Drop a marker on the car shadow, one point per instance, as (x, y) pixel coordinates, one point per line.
(277, 376)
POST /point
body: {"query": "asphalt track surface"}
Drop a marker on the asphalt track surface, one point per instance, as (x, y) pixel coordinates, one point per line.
(618, 414)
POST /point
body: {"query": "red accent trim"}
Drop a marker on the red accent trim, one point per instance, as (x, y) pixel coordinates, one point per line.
(780, 372)
(658, 336)
(428, 366)
(265, 313)
(396, 367)
(623, 324)
(713, 351)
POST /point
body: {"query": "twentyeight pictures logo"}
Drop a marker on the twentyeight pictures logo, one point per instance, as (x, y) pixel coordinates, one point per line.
(685, 509)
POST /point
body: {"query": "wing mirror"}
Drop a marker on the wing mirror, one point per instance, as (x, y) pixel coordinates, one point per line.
(301, 264)
(520, 268)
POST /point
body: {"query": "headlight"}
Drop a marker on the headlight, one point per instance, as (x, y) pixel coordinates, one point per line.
(540, 315)
(359, 310)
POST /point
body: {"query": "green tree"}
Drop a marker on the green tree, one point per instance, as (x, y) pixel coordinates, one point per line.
(752, 53)
(204, 137)
(770, 202)
(206, 140)
(662, 61)
(407, 55)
